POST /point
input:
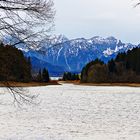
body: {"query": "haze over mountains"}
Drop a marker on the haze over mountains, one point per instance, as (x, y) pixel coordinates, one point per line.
(61, 54)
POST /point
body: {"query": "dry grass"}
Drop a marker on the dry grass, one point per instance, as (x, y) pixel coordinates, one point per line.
(112, 84)
(103, 84)
(30, 84)
(34, 84)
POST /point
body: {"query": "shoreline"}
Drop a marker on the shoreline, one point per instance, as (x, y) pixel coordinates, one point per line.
(55, 82)
(111, 84)
(102, 84)
(30, 84)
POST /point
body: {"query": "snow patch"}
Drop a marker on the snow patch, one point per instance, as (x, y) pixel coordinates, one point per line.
(108, 52)
(72, 112)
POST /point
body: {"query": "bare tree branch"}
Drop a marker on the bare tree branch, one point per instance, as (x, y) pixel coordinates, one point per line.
(20, 95)
(30, 20)
(137, 4)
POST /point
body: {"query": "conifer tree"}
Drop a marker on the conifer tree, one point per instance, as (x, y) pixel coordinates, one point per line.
(111, 66)
(45, 75)
(39, 76)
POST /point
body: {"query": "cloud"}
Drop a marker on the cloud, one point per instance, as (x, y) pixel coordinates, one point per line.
(102, 17)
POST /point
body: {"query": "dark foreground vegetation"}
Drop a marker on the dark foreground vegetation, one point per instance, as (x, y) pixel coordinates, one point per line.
(125, 68)
(42, 76)
(68, 76)
(14, 66)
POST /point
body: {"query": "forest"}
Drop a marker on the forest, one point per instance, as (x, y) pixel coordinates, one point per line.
(125, 68)
(14, 66)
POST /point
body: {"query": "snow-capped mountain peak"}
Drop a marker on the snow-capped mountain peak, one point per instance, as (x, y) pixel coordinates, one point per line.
(73, 55)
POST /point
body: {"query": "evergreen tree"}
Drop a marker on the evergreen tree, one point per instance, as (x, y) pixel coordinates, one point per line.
(39, 76)
(14, 66)
(65, 76)
(125, 68)
(77, 77)
(112, 66)
(68, 76)
(45, 75)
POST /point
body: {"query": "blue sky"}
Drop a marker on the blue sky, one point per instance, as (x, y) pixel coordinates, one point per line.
(88, 18)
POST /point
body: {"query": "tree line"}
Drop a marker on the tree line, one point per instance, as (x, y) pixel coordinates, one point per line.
(14, 66)
(68, 76)
(124, 68)
(42, 76)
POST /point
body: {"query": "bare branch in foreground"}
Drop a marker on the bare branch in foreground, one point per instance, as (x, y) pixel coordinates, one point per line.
(20, 95)
(29, 21)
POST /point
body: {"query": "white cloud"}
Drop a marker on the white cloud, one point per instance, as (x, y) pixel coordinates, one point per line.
(86, 18)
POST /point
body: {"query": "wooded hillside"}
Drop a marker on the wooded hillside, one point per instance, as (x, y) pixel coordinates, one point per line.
(124, 68)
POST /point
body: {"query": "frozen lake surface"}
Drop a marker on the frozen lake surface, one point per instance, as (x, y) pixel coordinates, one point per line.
(70, 112)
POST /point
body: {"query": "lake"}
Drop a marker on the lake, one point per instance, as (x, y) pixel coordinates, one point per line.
(73, 112)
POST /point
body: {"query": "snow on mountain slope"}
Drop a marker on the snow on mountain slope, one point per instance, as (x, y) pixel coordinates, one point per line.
(38, 64)
(73, 55)
(76, 53)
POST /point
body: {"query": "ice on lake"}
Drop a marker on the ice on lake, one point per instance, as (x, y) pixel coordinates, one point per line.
(73, 112)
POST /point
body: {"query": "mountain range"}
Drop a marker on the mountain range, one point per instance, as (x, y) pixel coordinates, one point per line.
(61, 54)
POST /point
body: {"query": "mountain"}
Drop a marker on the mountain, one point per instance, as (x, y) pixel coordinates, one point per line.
(40, 64)
(76, 53)
(60, 54)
